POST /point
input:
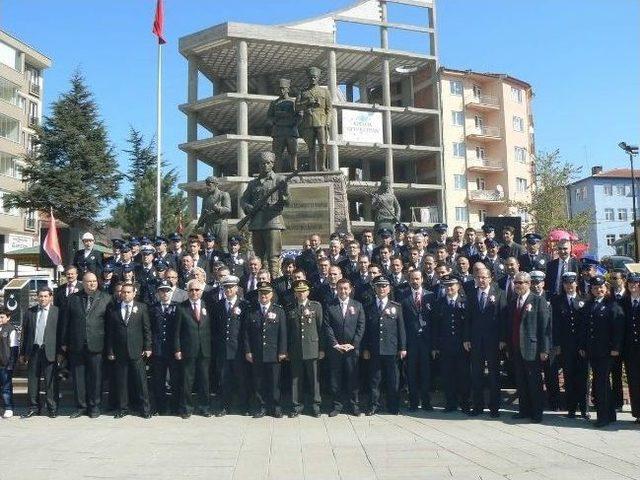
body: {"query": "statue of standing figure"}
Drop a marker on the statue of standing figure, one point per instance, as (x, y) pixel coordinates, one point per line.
(283, 118)
(315, 105)
(216, 207)
(385, 206)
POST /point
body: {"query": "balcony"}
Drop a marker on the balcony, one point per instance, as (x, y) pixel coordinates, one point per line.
(33, 121)
(34, 89)
(487, 196)
(485, 165)
(484, 132)
(483, 102)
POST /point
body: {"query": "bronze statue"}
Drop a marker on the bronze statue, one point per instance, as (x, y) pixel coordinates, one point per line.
(315, 104)
(216, 207)
(263, 202)
(385, 206)
(283, 119)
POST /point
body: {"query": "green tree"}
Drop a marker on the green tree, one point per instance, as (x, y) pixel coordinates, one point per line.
(136, 214)
(548, 208)
(73, 168)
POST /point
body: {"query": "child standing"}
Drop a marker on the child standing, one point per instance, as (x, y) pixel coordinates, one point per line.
(8, 357)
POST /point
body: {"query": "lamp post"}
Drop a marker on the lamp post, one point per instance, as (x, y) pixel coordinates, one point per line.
(633, 150)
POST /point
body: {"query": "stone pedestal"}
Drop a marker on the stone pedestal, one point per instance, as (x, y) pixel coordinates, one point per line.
(318, 204)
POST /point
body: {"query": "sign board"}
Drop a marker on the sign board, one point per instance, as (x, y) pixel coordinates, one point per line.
(310, 210)
(18, 242)
(359, 126)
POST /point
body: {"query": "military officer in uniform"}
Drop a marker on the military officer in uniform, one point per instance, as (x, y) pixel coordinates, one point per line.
(315, 105)
(305, 348)
(283, 119)
(265, 346)
(235, 259)
(533, 259)
(631, 350)
(385, 341)
(88, 259)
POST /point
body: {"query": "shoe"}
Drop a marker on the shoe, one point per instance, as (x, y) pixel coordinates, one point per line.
(536, 420)
(146, 415)
(120, 414)
(600, 423)
(78, 413)
(334, 413)
(205, 413)
(475, 413)
(412, 408)
(293, 414)
(372, 412)
(185, 416)
(221, 413)
(519, 416)
(395, 411)
(571, 415)
(355, 412)
(30, 413)
(259, 414)
(315, 414)
(94, 414)
(637, 420)
(246, 413)
(586, 415)
(277, 413)
(494, 414)
(7, 414)
(466, 409)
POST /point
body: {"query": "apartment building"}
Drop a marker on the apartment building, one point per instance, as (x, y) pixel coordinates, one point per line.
(21, 104)
(488, 144)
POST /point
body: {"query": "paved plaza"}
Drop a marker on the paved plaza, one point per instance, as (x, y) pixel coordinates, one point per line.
(421, 446)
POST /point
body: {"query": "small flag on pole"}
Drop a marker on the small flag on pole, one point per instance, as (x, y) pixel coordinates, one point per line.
(158, 22)
(180, 225)
(51, 244)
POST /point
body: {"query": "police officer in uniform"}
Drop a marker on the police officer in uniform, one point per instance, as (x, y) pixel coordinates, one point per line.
(631, 350)
(533, 258)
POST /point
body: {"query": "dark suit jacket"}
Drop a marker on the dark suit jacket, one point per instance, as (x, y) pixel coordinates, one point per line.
(486, 325)
(450, 324)
(163, 327)
(60, 298)
(304, 331)
(535, 326)
(418, 321)
(127, 341)
(228, 329)
(552, 272)
(265, 337)
(602, 329)
(92, 263)
(539, 262)
(193, 338)
(81, 326)
(384, 332)
(52, 333)
(347, 329)
(567, 322)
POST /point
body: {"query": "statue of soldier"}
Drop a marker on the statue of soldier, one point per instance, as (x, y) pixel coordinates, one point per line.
(283, 119)
(315, 104)
(385, 206)
(267, 224)
(216, 207)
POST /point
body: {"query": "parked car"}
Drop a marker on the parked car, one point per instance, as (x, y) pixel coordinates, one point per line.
(614, 262)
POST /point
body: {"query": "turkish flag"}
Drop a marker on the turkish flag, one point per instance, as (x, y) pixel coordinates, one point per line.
(158, 22)
(51, 244)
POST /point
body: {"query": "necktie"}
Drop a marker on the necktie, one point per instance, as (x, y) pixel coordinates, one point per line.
(416, 299)
(228, 307)
(69, 290)
(635, 304)
(89, 302)
(264, 311)
(196, 311)
(380, 305)
(127, 313)
(164, 308)
(483, 299)
(519, 303)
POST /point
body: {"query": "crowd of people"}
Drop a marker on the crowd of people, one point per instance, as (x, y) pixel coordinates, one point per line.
(393, 314)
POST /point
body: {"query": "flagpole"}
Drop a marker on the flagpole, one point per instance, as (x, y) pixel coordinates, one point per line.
(159, 145)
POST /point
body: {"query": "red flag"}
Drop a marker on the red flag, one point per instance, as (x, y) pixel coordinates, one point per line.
(158, 22)
(51, 244)
(180, 225)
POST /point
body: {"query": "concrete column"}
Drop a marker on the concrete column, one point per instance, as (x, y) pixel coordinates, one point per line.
(242, 127)
(386, 117)
(384, 31)
(192, 134)
(366, 176)
(349, 92)
(334, 162)
(364, 92)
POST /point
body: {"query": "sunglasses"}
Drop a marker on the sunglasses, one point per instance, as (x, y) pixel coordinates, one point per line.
(519, 283)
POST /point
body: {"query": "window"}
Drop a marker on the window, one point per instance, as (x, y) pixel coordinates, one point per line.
(30, 220)
(482, 214)
(521, 185)
(622, 214)
(608, 190)
(477, 92)
(610, 239)
(518, 124)
(33, 114)
(9, 165)
(520, 154)
(455, 87)
(9, 128)
(29, 143)
(461, 214)
(457, 117)
(460, 182)
(479, 122)
(480, 153)
(608, 214)
(10, 56)
(516, 94)
(8, 92)
(458, 149)
(581, 193)
(621, 190)
(7, 211)
(480, 183)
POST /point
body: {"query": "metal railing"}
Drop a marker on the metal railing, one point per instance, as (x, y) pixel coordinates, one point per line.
(484, 99)
(485, 130)
(34, 89)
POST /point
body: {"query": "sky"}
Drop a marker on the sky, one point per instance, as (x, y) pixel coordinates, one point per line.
(580, 56)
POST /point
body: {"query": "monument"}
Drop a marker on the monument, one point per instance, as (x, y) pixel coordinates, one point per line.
(283, 119)
(216, 207)
(385, 206)
(315, 105)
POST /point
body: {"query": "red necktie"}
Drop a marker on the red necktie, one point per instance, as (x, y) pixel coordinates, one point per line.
(196, 312)
(417, 299)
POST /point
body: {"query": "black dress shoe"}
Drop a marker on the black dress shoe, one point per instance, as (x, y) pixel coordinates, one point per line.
(121, 414)
(221, 413)
(519, 416)
(355, 412)
(146, 415)
(259, 414)
(31, 413)
(334, 413)
(277, 413)
(571, 414)
(371, 412)
(494, 414)
(600, 423)
(293, 414)
(315, 414)
(185, 416)
(205, 413)
(52, 414)
(78, 414)
(94, 414)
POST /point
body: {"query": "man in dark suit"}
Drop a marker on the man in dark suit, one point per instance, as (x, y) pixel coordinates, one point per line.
(485, 332)
(557, 267)
(265, 346)
(417, 311)
(468, 248)
(384, 342)
(533, 259)
(509, 248)
(528, 333)
(39, 347)
(89, 259)
(349, 265)
(83, 338)
(492, 261)
(128, 343)
(506, 283)
(344, 326)
(305, 347)
(399, 281)
(193, 346)
(236, 260)
(64, 291)
(282, 285)
(229, 346)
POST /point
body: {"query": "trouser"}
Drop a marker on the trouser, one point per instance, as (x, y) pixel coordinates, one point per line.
(575, 370)
(135, 368)
(195, 370)
(86, 369)
(551, 381)
(279, 145)
(632, 367)
(485, 354)
(418, 363)
(160, 368)
(231, 373)
(384, 367)
(455, 377)
(40, 367)
(605, 405)
(317, 160)
(6, 387)
(266, 384)
(344, 379)
(267, 245)
(109, 373)
(304, 373)
(616, 381)
(529, 384)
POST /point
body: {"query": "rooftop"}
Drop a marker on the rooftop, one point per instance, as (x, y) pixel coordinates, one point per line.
(500, 76)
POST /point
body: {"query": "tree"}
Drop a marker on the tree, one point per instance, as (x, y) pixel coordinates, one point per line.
(136, 214)
(72, 168)
(548, 208)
